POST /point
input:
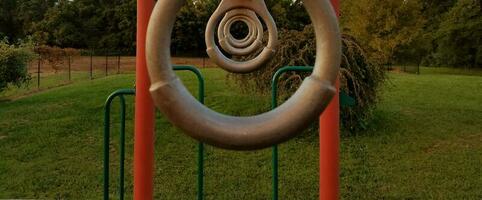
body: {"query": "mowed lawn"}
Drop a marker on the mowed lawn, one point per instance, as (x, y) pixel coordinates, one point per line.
(425, 142)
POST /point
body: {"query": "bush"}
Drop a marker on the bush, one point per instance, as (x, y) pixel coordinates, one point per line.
(360, 78)
(13, 64)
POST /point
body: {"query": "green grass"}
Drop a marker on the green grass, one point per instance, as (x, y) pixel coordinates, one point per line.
(49, 81)
(425, 142)
(450, 71)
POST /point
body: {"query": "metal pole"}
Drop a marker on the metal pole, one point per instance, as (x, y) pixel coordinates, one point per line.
(330, 143)
(91, 67)
(107, 108)
(200, 155)
(122, 145)
(118, 63)
(38, 72)
(106, 62)
(70, 74)
(274, 104)
(106, 147)
(144, 112)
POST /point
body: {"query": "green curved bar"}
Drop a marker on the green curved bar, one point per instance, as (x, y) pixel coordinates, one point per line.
(125, 92)
(274, 104)
(119, 93)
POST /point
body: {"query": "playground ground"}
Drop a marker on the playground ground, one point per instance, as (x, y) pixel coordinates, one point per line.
(425, 142)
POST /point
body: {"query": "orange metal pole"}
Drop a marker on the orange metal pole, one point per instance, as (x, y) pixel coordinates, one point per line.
(330, 143)
(144, 112)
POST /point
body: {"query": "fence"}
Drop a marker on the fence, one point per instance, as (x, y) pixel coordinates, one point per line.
(405, 68)
(66, 69)
(47, 73)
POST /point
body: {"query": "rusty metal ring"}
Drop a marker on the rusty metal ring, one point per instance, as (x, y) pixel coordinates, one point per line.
(243, 133)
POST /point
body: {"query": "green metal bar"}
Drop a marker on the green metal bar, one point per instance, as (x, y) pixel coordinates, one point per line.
(108, 103)
(200, 155)
(122, 145)
(106, 147)
(120, 94)
(274, 104)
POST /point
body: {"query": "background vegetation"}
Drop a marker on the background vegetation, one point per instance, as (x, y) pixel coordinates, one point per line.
(360, 78)
(428, 32)
(13, 64)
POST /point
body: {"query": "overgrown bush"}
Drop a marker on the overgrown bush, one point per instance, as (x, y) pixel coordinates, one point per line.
(360, 78)
(13, 64)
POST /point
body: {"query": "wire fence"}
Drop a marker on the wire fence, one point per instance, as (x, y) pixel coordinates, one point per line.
(405, 68)
(47, 72)
(73, 68)
(92, 64)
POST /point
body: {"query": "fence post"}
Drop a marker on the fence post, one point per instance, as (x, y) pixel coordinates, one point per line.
(118, 63)
(91, 67)
(106, 62)
(38, 72)
(70, 75)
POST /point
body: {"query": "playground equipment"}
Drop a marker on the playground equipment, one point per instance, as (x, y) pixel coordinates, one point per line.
(242, 133)
(233, 11)
(238, 133)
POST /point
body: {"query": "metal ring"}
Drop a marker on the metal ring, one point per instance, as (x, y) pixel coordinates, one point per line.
(260, 9)
(253, 24)
(225, 33)
(239, 43)
(243, 133)
(253, 43)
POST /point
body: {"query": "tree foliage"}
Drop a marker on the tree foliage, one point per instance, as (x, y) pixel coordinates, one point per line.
(459, 37)
(13, 64)
(392, 31)
(383, 26)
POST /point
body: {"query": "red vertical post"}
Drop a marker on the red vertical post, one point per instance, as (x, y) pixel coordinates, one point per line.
(144, 112)
(330, 143)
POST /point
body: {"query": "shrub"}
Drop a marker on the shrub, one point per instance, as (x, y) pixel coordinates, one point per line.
(360, 78)
(13, 64)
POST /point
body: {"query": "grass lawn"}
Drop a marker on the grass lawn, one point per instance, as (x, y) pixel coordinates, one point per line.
(50, 80)
(425, 142)
(451, 71)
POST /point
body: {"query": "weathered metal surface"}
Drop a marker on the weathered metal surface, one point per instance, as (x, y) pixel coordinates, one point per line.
(243, 133)
(251, 9)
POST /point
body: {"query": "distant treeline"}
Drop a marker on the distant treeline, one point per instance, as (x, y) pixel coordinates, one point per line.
(428, 32)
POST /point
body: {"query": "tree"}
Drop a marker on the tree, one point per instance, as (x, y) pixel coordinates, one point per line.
(8, 26)
(458, 39)
(383, 26)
